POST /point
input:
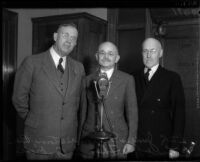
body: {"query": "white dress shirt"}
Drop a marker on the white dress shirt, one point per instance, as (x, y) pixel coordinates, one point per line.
(108, 72)
(152, 71)
(56, 57)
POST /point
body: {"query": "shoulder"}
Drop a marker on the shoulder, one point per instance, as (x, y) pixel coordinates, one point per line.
(124, 75)
(34, 59)
(78, 66)
(170, 74)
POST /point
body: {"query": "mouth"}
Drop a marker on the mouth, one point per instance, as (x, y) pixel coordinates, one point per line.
(67, 45)
(105, 60)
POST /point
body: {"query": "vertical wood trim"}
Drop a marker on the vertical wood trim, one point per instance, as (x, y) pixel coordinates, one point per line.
(9, 41)
(197, 78)
(112, 16)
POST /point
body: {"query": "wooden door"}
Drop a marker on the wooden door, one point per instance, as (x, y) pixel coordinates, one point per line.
(9, 44)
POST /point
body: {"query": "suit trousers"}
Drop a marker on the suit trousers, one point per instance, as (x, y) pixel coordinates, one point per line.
(55, 156)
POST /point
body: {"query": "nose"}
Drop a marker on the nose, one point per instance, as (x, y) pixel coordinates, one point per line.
(148, 54)
(105, 56)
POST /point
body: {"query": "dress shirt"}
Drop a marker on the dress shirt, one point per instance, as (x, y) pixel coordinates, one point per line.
(152, 71)
(56, 57)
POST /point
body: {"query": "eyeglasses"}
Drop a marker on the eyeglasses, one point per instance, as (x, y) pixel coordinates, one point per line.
(151, 52)
(66, 36)
(102, 53)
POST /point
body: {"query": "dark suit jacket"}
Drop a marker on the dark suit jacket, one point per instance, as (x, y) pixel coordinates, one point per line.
(161, 107)
(50, 115)
(121, 106)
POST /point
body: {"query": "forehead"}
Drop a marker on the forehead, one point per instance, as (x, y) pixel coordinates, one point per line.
(68, 29)
(151, 43)
(107, 47)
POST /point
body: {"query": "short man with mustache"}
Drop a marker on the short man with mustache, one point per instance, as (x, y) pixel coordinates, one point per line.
(120, 104)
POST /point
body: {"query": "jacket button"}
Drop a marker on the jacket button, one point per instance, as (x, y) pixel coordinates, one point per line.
(152, 111)
(62, 118)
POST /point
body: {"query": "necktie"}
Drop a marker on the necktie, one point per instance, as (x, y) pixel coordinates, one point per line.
(146, 76)
(60, 67)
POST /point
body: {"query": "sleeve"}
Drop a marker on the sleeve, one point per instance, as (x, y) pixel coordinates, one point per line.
(22, 84)
(82, 106)
(131, 110)
(178, 116)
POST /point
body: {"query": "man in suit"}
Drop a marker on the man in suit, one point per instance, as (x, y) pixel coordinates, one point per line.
(47, 92)
(120, 108)
(161, 106)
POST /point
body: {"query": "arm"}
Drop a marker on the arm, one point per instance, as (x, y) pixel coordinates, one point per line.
(178, 116)
(82, 107)
(131, 111)
(22, 84)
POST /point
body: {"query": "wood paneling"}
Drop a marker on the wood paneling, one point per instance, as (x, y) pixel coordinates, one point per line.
(181, 54)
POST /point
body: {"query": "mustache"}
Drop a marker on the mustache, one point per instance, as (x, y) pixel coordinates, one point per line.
(106, 59)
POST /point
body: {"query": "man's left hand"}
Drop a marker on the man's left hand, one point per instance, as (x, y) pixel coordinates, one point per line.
(128, 148)
(173, 154)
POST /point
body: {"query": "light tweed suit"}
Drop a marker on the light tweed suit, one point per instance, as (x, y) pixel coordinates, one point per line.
(49, 108)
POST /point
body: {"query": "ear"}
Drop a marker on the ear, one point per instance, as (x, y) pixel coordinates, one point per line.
(55, 35)
(117, 59)
(161, 53)
(96, 56)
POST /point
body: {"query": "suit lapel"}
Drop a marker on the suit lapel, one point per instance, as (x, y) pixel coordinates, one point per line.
(71, 76)
(50, 70)
(114, 82)
(152, 85)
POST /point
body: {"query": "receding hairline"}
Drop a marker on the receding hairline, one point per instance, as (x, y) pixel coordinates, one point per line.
(154, 40)
(107, 43)
(72, 25)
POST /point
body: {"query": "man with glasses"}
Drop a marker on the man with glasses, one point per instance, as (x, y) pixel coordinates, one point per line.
(120, 109)
(47, 91)
(161, 106)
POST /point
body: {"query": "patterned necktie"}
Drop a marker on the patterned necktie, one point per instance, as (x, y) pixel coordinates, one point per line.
(60, 67)
(146, 76)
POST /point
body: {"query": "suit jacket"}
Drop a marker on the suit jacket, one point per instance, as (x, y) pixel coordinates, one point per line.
(161, 107)
(121, 108)
(50, 115)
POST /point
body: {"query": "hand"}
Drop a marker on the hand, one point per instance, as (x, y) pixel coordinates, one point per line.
(173, 154)
(128, 148)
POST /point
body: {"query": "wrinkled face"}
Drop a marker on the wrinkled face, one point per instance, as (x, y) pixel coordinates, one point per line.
(65, 40)
(151, 52)
(107, 56)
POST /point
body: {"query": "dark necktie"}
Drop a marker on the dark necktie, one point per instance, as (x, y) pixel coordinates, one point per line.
(146, 76)
(60, 67)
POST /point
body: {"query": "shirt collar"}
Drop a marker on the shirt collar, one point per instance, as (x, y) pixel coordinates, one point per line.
(108, 72)
(152, 70)
(56, 57)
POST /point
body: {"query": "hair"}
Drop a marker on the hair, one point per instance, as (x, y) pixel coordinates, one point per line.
(111, 43)
(66, 25)
(158, 41)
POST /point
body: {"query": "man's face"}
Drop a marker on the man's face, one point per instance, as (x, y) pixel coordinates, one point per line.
(66, 39)
(107, 56)
(151, 53)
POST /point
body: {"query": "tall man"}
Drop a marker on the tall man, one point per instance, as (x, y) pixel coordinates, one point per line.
(120, 105)
(161, 106)
(47, 91)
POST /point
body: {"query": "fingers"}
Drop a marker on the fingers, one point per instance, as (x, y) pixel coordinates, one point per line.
(173, 154)
(125, 150)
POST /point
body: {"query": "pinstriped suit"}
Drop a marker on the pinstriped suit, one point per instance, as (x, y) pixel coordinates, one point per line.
(161, 109)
